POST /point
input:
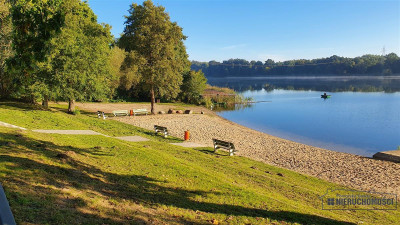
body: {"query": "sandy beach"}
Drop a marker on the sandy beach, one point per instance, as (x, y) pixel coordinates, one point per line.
(351, 170)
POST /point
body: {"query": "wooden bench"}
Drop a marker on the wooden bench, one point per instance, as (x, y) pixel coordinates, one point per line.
(160, 129)
(218, 144)
(101, 114)
(140, 112)
(121, 113)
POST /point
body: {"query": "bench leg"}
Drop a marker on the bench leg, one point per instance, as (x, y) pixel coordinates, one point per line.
(231, 153)
(215, 148)
(165, 135)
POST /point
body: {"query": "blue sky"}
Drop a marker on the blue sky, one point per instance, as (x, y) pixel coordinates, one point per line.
(280, 30)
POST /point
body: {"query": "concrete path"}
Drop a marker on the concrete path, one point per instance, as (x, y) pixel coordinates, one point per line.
(81, 132)
(133, 138)
(90, 132)
(189, 145)
(11, 126)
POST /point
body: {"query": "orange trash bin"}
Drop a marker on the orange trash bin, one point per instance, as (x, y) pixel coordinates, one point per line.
(131, 112)
(187, 135)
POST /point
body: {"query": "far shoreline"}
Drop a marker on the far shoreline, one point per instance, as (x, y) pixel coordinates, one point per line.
(314, 76)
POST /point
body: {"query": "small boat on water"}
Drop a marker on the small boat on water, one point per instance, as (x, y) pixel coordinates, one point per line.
(325, 96)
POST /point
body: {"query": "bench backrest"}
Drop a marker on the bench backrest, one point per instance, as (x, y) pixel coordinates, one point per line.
(224, 144)
(140, 110)
(120, 111)
(160, 128)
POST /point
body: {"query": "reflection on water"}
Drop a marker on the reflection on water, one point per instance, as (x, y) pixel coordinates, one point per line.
(353, 122)
(232, 107)
(388, 84)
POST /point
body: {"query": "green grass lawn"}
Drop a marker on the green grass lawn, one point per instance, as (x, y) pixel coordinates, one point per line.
(73, 179)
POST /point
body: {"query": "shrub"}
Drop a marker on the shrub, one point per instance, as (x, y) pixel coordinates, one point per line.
(193, 86)
(207, 102)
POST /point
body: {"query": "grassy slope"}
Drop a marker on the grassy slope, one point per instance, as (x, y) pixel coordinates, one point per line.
(72, 179)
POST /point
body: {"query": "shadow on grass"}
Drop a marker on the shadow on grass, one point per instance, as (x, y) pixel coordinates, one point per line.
(210, 151)
(82, 112)
(21, 106)
(28, 183)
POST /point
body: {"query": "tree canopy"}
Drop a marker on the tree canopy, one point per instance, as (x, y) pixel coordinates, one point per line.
(158, 42)
(80, 53)
(5, 47)
(34, 23)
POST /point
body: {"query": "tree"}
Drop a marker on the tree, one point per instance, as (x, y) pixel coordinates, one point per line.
(130, 76)
(5, 47)
(194, 83)
(35, 22)
(117, 58)
(159, 43)
(269, 63)
(80, 56)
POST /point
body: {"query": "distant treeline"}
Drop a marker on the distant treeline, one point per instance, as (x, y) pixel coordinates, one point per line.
(334, 65)
(323, 84)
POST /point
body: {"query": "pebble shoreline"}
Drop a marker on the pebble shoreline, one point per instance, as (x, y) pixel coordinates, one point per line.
(354, 171)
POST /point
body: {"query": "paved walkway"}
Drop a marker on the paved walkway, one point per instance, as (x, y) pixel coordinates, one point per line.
(90, 132)
(189, 145)
(133, 138)
(11, 126)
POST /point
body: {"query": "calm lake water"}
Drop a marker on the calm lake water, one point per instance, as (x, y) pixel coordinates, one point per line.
(361, 123)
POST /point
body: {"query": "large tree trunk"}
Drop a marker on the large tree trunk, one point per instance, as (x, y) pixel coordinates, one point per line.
(45, 102)
(71, 106)
(152, 100)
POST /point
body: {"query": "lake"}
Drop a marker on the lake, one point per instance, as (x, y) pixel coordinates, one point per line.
(363, 121)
